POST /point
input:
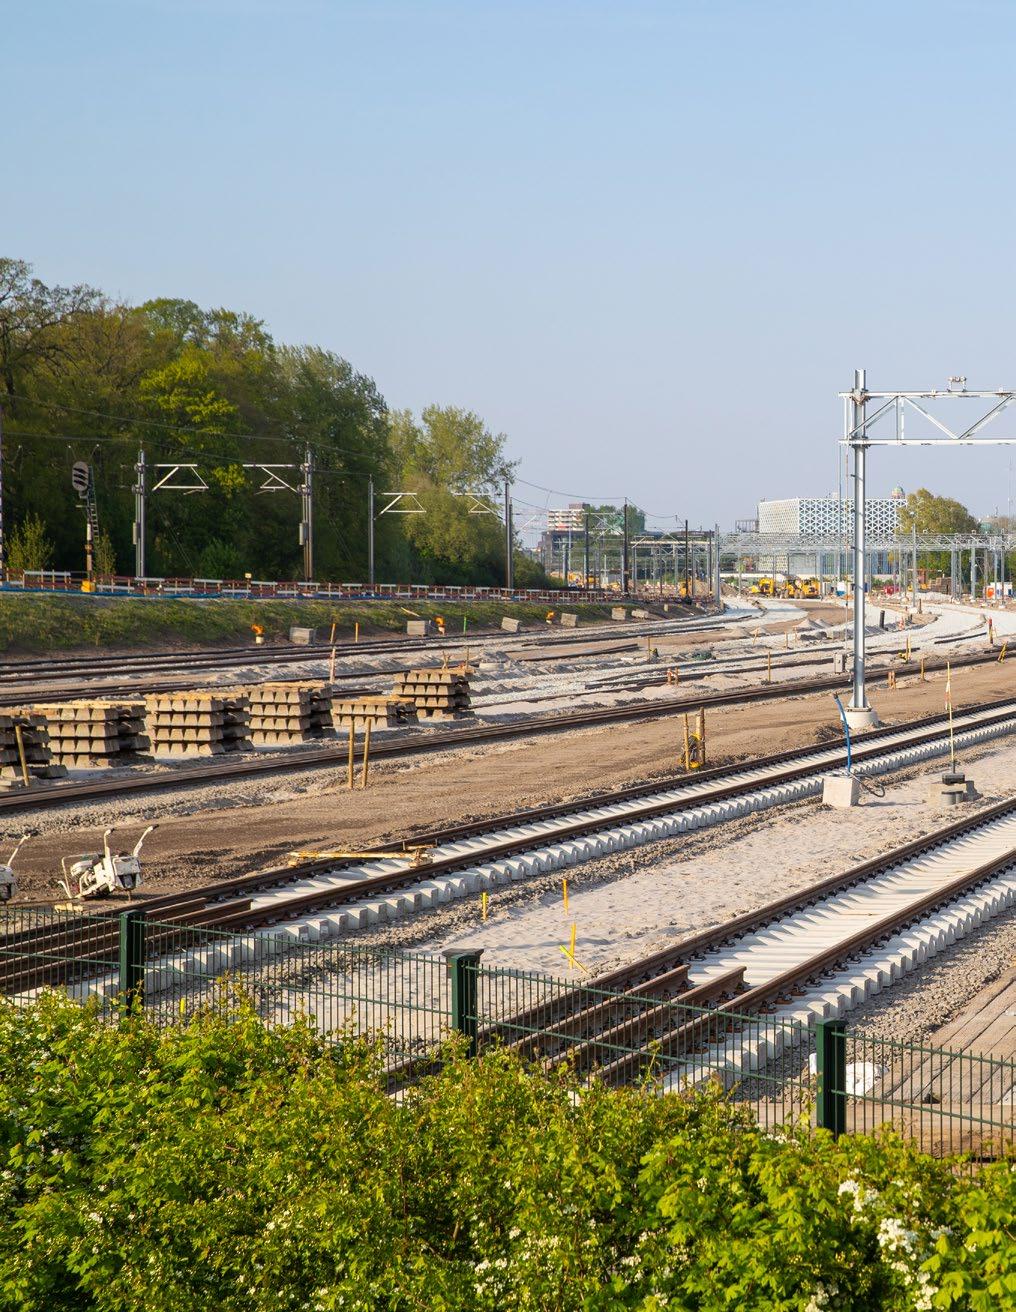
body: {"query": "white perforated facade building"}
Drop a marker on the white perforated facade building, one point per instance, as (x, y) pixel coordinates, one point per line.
(828, 515)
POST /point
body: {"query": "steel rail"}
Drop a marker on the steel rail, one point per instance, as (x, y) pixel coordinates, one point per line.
(354, 890)
(57, 667)
(640, 980)
(441, 740)
(199, 905)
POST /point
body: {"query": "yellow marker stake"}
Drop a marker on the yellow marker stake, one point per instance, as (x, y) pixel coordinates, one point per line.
(564, 894)
(569, 953)
(331, 636)
(483, 905)
(356, 631)
(1001, 654)
(331, 667)
(366, 754)
(352, 759)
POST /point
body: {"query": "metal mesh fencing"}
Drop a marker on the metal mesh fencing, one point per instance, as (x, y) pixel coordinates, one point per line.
(946, 1101)
(399, 999)
(784, 1070)
(641, 1036)
(42, 948)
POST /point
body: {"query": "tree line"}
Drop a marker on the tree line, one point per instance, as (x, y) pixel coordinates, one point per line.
(85, 377)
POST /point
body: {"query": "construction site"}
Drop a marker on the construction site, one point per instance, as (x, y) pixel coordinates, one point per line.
(715, 821)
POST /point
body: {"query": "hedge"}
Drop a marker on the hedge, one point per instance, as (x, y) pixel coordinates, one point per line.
(224, 1164)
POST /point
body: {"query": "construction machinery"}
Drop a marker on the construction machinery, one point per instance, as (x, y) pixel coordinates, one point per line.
(105, 873)
(8, 883)
(765, 587)
(808, 587)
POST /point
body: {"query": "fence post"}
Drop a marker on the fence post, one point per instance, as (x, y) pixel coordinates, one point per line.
(831, 1060)
(463, 967)
(132, 958)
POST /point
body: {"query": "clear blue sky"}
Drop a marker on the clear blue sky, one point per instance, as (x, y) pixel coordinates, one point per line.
(649, 241)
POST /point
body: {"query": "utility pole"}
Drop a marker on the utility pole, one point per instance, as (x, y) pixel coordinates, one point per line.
(585, 551)
(624, 550)
(307, 515)
(370, 532)
(716, 543)
(687, 562)
(509, 550)
(859, 713)
(913, 544)
(140, 490)
(3, 545)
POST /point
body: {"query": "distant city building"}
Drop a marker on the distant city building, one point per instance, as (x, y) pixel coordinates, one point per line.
(565, 519)
(828, 515)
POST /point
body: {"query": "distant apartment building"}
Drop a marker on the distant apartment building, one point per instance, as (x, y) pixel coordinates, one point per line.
(566, 519)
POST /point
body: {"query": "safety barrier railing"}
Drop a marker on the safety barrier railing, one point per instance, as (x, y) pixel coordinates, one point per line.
(292, 590)
(784, 1070)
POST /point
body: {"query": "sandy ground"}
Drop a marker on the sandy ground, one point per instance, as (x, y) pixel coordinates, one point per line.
(221, 829)
(632, 904)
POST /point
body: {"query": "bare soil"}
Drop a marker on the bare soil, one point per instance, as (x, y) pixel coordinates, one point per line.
(225, 829)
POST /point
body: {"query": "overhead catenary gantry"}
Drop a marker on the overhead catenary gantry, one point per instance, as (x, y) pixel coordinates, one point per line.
(894, 407)
(194, 482)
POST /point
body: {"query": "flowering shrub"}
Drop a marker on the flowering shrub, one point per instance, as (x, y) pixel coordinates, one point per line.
(224, 1165)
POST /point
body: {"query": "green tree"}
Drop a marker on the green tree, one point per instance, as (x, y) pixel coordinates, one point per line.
(928, 513)
(30, 314)
(933, 514)
(454, 465)
(105, 555)
(612, 518)
(28, 546)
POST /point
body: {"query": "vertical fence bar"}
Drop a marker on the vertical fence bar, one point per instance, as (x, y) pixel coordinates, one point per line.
(132, 958)
(464, 970)
(831, 1050)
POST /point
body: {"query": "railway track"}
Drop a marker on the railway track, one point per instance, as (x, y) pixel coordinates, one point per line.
(224, 658)
(811, 954)
(323, 898)
(432, 741)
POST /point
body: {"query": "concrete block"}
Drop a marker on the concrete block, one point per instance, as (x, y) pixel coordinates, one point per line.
(840, 790)
(510, 624)
(301, 636)
(419, 628)
(618, 613)
(569, 619)
(640, 614)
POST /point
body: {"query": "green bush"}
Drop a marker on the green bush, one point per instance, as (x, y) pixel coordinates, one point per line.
(224, 1165)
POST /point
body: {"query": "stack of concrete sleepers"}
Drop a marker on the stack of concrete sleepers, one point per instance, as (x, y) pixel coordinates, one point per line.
(38, 761)
(438, 694)
(96, 734)
(378, 712)
(197, 723)
(284, 713)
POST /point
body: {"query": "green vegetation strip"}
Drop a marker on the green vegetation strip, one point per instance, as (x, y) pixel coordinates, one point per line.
(224, 1164)
(43, 624)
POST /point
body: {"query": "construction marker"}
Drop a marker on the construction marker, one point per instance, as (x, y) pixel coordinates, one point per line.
(564, 894)
(569, 953)
(356, 631)
(483, 905)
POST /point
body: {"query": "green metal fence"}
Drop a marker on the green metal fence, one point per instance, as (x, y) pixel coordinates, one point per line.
(782, 1069)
